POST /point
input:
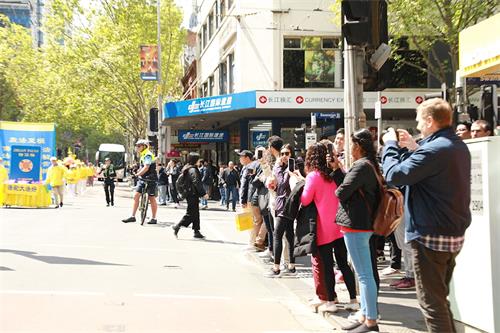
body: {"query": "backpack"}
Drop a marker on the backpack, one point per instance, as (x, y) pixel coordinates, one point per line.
(390, 209)
(182, 186)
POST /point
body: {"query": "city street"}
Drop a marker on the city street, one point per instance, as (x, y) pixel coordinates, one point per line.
(79, 269)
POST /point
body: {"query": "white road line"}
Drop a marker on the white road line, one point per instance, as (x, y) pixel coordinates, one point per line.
(51, 292)
(222, 298)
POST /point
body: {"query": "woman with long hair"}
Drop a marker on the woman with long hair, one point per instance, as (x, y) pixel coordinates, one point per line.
(359, 197)
(320, 188)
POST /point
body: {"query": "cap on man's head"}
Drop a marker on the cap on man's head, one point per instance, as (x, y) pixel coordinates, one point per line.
(142, 142)
(107, 159)
(246, 153)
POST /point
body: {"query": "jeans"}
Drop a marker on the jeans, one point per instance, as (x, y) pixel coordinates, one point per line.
(433, 272)
(109, 190)
(231, 192)
(222, 191)
(399, 234)
(192, 214)
(268, 220)
(284, 226)
(358, 245)
(204, 202)
(162, 194)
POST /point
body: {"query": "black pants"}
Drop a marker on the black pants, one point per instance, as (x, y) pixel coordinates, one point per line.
(109, 190)
(192, 213)
(374, 243)
(395, 252)
(284, 226)
(268, 220)
(433, 272)
(173, 193)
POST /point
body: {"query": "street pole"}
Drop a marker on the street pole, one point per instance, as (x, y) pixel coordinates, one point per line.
(160, 97)
(378, 116)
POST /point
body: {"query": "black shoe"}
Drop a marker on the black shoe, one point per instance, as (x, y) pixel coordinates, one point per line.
(152, 221)
(198, 235)
(112, 204)
(57, 206)
(364, 329)
(351, 326)
(61, 204)
(107, 205)
(234, 209)
(130, 219)
(176, 230)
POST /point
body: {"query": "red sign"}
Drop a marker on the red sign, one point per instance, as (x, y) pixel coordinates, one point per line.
(263, 99)
(299, 99)
(383, 99)
(419, 99)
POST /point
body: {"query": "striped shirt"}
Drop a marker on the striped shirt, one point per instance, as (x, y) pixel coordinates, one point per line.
(442, 243)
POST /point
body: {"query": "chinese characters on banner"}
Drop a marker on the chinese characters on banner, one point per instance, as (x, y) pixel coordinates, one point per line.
(149, 62)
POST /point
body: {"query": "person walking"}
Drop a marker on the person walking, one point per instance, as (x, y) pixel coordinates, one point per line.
(173, 174)
(230, 176)
(162, 184)
(204, 182)
(222, 186)
(437, 199)
(194, 190)
(109, 174)
(320, 188)
(55, 178)
(358, 194)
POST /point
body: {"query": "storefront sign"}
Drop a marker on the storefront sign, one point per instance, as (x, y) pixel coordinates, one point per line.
(329, 115)
(259, 138)
(202, 136)
(207, 105)
(335, 99)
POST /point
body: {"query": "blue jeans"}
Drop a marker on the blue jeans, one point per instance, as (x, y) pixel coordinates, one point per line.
(204, 201)
(358, 246)
(222, 191)
(231, 192)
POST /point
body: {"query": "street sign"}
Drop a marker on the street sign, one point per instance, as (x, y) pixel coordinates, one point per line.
(311, 139)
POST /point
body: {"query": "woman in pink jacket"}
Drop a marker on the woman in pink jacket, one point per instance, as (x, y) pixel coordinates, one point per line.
(320, 188)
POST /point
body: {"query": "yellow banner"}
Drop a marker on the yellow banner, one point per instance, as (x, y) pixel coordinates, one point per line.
(25, 189)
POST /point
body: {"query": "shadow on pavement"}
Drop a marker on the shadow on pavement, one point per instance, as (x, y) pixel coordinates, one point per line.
(212, 241)
(3, 268)
(58, 260)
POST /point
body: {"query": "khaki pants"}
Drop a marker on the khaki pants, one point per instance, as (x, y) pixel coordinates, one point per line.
(58, 192)
(259, 231)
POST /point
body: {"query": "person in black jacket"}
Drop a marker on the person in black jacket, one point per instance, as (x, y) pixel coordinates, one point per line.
(358, 193)
(195, 190)
(109, 174)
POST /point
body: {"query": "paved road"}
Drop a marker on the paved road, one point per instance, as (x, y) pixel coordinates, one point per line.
(79, 269)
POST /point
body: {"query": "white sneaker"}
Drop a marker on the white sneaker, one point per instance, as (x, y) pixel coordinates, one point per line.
(389, 271)
(328, 307)
(315, 303)
(353, 305)
(355, 317)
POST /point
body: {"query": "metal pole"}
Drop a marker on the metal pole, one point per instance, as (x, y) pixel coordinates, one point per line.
(378, 116)
(160, 97)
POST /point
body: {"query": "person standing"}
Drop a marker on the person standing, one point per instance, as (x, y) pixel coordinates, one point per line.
(463, 130)
(480, 129)
(437, 202)
(204, 182)
(55, 177)
(232, 182)
(194, 190)
(173, 174)
(162, 184)
(71, 180)
(109, 174)
(222, 186)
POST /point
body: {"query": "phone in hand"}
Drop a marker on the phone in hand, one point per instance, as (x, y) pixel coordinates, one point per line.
(330, 149)
(291, 164)
(260, 153)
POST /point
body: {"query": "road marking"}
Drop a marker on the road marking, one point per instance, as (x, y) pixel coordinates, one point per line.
(222, 298)
(52, 292)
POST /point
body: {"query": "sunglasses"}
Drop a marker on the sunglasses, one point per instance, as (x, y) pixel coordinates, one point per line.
(285, 153)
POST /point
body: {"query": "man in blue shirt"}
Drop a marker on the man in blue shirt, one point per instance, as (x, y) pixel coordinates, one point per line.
(436, 173)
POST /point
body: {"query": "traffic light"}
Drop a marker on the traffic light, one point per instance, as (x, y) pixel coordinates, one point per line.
(489, 104)
(365, 22)
(299, 139)
(153, 139)
(153, 119)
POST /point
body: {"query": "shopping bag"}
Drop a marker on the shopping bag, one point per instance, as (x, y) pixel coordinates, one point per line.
(244, 221)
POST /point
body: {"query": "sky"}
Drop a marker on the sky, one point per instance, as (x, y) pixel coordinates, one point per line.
(186, 6)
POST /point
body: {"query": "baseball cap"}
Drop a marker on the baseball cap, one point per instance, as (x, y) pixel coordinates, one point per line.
(246, 153)
(142, 142)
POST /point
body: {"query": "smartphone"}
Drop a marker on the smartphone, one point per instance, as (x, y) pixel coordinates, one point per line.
(291, 164)
(260, 153)
(330, 149)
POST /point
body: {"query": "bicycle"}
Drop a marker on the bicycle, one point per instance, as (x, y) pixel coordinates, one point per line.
(144, 201)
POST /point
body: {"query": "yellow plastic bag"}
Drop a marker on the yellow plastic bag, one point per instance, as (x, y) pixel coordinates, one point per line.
(244, 221)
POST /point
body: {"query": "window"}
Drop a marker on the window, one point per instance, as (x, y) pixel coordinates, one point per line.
(210, 25)
(222, 78)
(204, 38)
(309, 62)
(204, 89)
(222, 6)
(229, 4)
(217, 18)
(211, 85)
(231, 72)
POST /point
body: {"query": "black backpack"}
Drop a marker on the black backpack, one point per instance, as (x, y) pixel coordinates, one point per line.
(183, 185)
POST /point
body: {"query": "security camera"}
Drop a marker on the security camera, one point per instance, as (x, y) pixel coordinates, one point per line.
(380, 56)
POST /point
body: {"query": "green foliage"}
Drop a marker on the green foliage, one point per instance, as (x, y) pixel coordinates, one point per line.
(85, 78)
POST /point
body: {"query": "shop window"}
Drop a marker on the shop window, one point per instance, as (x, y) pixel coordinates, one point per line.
(222, 78)
(309, 62)
(231, 72)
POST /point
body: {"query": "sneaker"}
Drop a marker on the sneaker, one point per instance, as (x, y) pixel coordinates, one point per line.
(328, 307)
(363, 328)
(315, 303)
(198, 235)
(130, 219)
(57, 206)
(234, 209)
(380, 259)
(388, 271)
(152, 221)
(176, 205)
(176, 230)
(290, 271)
(339, 278)
(272, 273)
(395, 283)
(204, 207)
(353, 305)
(107, 205)
(356, 316)
(408, 283)
(112, 204)
(61, 204)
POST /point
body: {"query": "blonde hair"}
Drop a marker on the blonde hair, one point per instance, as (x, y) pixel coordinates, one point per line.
(439, 109)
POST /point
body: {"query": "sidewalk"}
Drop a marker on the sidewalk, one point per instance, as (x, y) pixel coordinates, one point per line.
(399, 309)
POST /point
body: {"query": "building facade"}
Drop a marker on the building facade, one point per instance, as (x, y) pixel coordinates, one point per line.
(27, 13)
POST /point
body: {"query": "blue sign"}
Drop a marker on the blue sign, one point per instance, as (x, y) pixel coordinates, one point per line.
(214, 104)
(259, 138)
(25, 163)
(329, 115)
(40, 135)
(203, 136)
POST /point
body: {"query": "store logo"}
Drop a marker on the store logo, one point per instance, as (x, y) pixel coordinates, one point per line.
(261, 136)
(383, 100)
(263, 99)
(299, 99)
(419, 99)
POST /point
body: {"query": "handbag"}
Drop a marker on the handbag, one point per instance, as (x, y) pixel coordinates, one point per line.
(244, 220)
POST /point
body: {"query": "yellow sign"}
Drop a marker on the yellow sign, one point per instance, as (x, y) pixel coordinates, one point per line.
(479, 48)
(26, 189)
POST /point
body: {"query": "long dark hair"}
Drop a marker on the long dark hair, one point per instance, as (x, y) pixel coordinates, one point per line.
(364, 139)
(316, 160)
